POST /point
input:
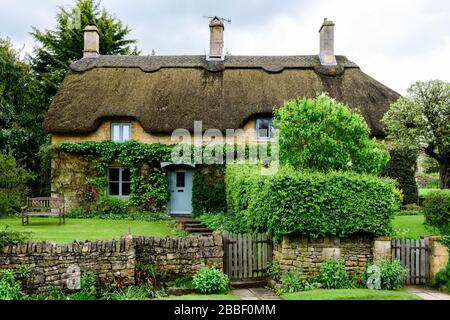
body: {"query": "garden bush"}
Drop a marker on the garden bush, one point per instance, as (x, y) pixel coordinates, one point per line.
(210, 280)
(436, 209)
(294, 281)
(208, 190)
(402, 167)
(332, 275)
(308, 203)
(392, 274)
(442, 277)
(8, 237)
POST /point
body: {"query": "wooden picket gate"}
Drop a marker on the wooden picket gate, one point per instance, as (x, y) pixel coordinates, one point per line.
(413, 255)
(246, 255)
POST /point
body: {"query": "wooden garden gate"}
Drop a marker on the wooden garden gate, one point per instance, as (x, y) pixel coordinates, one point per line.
(246, 255)
(413, 255)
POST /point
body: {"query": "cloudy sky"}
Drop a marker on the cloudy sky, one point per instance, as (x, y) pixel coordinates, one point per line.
(396, 42)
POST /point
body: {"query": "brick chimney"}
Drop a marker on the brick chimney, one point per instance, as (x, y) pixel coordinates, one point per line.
(326, 55)
(216, 39)
(91, 42)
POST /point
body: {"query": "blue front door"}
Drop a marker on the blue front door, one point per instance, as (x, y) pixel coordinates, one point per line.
(180, 186)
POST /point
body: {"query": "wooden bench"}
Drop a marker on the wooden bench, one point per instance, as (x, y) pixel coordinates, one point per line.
(43, 207)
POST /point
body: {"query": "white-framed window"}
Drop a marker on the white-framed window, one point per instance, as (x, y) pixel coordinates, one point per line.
(119, 181)
(120, 131)
(264, 128)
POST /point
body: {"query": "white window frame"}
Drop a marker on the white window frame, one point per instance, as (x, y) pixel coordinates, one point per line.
(258, 138)
(121, 125)
(120, 182)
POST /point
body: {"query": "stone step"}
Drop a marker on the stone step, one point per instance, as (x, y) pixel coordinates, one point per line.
(249, 283)
(199, 230)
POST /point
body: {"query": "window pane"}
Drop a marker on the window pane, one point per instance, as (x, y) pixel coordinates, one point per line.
(113, 174)
(263, 128)
(115, 133)
(126, 132)
(113, 188)
(126, 175)
(180, 179)
(126, 189)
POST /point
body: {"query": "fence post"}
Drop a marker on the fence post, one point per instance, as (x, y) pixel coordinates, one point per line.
(382, 248)
(438, 257)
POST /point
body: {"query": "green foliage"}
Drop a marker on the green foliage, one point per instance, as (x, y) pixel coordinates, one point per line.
(429, 164)
(442, 277)
(210, 280)
(88, 290)
(22, 110)
(11, 237)
(131, 293)
(294, 281)
(332, 275)
(13, 179)
(392, 274)
(432, 184)
(274, 270)
(402, 167)
(148, 274)
(10, 287)
(323, 134)
(421, 119)
(208, 190)
(58, 48)
(182, 282)
(436, 209)
(314, 204)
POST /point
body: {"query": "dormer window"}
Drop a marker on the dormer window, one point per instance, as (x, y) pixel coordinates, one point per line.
(120, 131)
(264, 129)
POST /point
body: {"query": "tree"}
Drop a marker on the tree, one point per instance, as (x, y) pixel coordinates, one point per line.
(60, 47)
(323, 134)
(422, 119)
(13, 179)
(22, 110)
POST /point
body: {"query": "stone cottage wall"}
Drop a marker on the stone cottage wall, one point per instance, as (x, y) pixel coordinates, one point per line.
(52, 265)
(177, 256)
(308, 253)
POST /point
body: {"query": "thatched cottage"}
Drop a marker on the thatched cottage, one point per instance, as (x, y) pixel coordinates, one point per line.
(145, 98)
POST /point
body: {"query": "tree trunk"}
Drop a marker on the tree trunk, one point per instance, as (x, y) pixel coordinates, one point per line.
(444, 173)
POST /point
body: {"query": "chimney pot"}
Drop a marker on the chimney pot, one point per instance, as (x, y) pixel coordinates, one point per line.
(326, 54)
(91, 42)
(216, 28)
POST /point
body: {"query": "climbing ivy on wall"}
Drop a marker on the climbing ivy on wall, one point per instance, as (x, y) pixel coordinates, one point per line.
(149, 184)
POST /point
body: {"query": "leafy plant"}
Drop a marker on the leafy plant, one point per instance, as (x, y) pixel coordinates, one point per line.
(10, 286)
(436, 209)
(274, 270)
(9, 237)
(208, 190)
(210, 280)
(310, 203)
(294, 281)
(332, 275)
(323, 134)
(131, 293)
(182, 282)
(147, 273)
(392, 274)
(442, 277)
(88, 290)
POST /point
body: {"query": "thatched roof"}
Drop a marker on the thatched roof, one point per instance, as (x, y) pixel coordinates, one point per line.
(168, 92)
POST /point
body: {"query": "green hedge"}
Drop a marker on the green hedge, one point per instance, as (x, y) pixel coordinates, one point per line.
(402, 167)
(308, 203)
(436, 209)
(208, 191)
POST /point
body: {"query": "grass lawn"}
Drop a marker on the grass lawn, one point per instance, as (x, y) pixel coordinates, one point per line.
(202, 297)
(351, 294)
(411, 227)
(423, 192)
(48, 229)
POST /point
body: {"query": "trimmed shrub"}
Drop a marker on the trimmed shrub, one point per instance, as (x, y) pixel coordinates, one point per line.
(332, 275)
(308, 203)
(442, 277)
(436, 209)
(392, 274)
(402, 167)
(208, 190)
(210, 280)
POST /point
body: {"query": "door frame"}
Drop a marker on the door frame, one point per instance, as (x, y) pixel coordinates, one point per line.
(172, 168)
